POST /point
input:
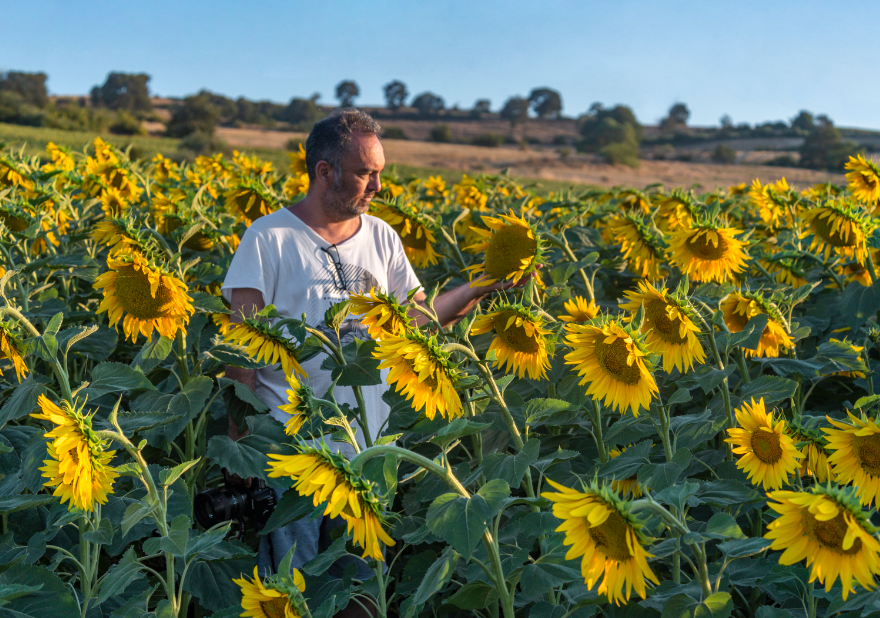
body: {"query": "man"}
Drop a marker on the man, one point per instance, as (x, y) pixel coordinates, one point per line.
(311, 255)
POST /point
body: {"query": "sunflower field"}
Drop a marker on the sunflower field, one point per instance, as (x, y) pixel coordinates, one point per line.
(672, 414)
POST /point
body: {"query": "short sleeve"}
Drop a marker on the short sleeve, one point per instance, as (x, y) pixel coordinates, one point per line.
(401, 276)
(253, 267)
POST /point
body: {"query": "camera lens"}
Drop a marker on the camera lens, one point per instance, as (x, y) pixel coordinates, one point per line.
(218, 505)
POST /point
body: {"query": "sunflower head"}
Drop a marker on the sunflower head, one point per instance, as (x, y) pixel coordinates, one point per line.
(299, 405)
(422, 371)
(708, 252)
(769, 455)
(165, 169)
(265, 342)
(643, 250)
(837, 227)
(329, 478)
(79, 462)
(248, 200)
(469, 194)
(676, 211)
(382, 314)
(855, 454)
(827, 527)
(669, 325)
(785, 270)
(864, 179)
(613, 358)
(512, 250)
(627, 485)
(11, 350)
(275, 596)
(415, 229)
(118, 234)
(739, 307)
(521, 342)
(771, 201)
(579, 309)
(814, 448)
(608, 538)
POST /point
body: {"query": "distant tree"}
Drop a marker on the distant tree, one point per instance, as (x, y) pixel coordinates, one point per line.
(29, 87)
(726, 122)
(545, 102)
(483, 106)
(428, 103)
(824, 148)
(676, 118)
(346, 93)
(724, 154)
(302, 113)
(197, 114)
(804, 121)
(515, 110)
(395, 94)
(614, 133)
(441, 133)
(126, 91)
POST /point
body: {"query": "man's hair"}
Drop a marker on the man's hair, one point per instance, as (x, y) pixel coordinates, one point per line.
(330, 137)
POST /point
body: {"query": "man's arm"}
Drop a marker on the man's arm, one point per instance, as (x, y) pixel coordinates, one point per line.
(455, 304)
(246, 301)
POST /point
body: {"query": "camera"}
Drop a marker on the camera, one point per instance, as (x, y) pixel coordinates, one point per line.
(234, 503)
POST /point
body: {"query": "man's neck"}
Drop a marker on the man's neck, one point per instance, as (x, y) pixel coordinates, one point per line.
(334, 232)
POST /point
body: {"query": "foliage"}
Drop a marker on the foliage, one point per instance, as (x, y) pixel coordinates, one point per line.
(126, 91)
(724, 154)
(393, 132)
(196, 114)
(824, 148)
(428, 104)
(489, 140)
(676, 118)
(395, 94)
(614, 133)
(534, 486)
(481, 106)
(441, 133)
(301, 113)
(30, 87)
(546, 102)
(515, 110)
(346, 92)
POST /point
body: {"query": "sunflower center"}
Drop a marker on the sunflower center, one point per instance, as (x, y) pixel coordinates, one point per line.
(133, 293)
(868, 180)
(822, 226)
(610, 537)
(274, 608)
(655, 310)
(506, 250)
(867, 451)
(765, 445)
(74, 455)
(15, 224)
(830, 534)
(612, 357)
(704, 249)
(515, 337)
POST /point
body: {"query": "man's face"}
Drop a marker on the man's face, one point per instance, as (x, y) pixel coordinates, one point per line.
(350, 192)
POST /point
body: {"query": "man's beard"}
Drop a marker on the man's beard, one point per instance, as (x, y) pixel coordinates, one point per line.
(338, 207)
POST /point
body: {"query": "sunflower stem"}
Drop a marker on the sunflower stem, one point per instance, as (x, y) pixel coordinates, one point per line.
(345, 424)
(566, 249)
(742, 366)
(181, 357)
(595, 412)
(21, 289)
(725, 387)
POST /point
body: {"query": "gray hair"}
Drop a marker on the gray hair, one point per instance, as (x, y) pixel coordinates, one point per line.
(329, 138)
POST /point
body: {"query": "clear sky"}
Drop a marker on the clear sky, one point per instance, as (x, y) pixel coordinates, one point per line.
(755, 60)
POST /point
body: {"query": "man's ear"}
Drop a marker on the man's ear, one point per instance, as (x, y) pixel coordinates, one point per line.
(324, 172)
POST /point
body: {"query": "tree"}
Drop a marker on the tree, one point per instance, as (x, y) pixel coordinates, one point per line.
(614, 133)
(302, 113)
(126, 91)
(726, 122)
(676, 118)
(515, 110)
(347, 92)
(545, 102)
(803, 121)
(483, 106)
(824, 148)
(428, 103)
(29, 87)
(724, 154)
(395, 94)
(197, 114)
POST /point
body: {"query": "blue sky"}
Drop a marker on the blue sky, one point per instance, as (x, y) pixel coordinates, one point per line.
(754, 60)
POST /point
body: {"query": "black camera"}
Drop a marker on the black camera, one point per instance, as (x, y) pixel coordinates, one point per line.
(234, 503)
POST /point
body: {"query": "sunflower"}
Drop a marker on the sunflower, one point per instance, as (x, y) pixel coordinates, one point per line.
(10, 349)
(770, 200)
(769, 455)
(247, 200)
(708, 252)
(513, 250)
(116, 234)
(864, 179)
(785, 271)
(669, 326)
(838, 228)
(625, 486)
(104, 171)
(414, 229)
(676, 211)
(520, 341)
(12, 176)
(611, 357)
(422, 371)
(827, 528)
(859, 272)
(265, 343)
(855, 455)
(151, 298)
(165, 169)
(435, 188)
(252, 166)
(606, 536)
(223, 321)
(298, 406)
(814, 451)
(269, 599)
(383, 315)
(739, 307)
(79, 464)
(328, 478)
(579, 310)
(296, 184)
(469, 195)
(642, 250)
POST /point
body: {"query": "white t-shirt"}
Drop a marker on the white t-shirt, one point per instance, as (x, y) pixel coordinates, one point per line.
(282, 257)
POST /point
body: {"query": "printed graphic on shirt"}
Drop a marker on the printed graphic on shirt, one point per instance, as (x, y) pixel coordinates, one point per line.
(342, 280)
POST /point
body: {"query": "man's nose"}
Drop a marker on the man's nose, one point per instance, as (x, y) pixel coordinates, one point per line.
(375, 185)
